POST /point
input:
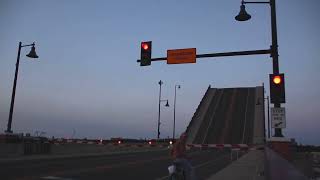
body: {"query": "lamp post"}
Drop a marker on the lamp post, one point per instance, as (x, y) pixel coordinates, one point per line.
(268, 116)
(167, 105)
(244, 16)
(268, 106)
(174, 110)
(32, 54)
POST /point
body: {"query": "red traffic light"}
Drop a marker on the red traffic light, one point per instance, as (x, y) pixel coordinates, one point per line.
(145, 46)
(276, 79)
(277, 89)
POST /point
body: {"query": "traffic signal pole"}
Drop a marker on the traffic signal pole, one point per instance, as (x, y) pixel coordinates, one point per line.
(223, 54)
(275, 54)
(158, 133)
(273, 51)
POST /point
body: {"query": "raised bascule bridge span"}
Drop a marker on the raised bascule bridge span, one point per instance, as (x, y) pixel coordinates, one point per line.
(229, 117)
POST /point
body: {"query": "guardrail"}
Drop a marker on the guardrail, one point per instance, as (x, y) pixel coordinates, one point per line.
(30, 148)
(222, 146)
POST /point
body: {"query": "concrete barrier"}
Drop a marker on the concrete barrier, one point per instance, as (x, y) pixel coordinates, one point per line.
(8, 150)
(96, 148)
(30, 148)
(34, 148)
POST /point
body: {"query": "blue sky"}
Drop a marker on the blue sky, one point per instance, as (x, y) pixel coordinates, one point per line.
(87, 79)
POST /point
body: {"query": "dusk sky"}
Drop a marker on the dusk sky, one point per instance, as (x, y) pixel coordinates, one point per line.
(87, 83)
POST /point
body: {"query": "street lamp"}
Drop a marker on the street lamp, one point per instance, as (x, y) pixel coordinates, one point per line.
(174, 110)
(32, 54)
(167, 105)
(244, 16)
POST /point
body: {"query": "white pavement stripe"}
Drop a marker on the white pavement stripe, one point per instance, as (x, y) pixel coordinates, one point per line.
(245, 118)
(56, 178)
(164, 177)
(214, 113)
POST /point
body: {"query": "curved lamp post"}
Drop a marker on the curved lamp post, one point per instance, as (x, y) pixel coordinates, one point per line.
(174, 110)
(167, 105)
(244, 16)
(32, 54)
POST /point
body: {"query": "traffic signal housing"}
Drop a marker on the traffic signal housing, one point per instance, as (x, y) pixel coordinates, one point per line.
(146, 48)
(277, 90)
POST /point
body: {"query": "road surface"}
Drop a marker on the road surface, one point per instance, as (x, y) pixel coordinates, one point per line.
(143, 165)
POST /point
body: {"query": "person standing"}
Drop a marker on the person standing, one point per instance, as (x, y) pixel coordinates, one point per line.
(179, 155)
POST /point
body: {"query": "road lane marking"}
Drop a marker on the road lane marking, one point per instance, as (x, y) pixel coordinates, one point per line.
(56, 178)
(228, 118)
(214, 113)
(245, 118)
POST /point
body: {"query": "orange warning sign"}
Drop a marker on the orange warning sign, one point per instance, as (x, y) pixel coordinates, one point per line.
(180, 56)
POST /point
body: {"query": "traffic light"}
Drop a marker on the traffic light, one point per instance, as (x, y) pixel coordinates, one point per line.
(277, 91)
(146, 48)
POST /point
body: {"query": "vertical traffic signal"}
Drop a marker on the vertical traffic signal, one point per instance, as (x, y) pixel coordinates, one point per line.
(277, 90)
(146, 48)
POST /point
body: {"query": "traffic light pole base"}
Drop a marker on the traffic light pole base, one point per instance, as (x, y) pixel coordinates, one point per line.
(278, 132)
(280, 145)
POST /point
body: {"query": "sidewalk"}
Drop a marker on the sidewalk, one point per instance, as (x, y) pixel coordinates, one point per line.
(281, 169)
(248, 167)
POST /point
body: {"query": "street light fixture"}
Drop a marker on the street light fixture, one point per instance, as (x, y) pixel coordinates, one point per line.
(32, 54)
(167, 105)
(244, 16)
(174, 110)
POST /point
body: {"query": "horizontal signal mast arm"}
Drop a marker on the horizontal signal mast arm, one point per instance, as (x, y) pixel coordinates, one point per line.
(236, 53)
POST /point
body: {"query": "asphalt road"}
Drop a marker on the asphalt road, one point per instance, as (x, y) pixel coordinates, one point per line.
(129, 166)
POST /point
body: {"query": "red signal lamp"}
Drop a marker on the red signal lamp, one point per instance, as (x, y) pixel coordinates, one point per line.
(145, 46)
